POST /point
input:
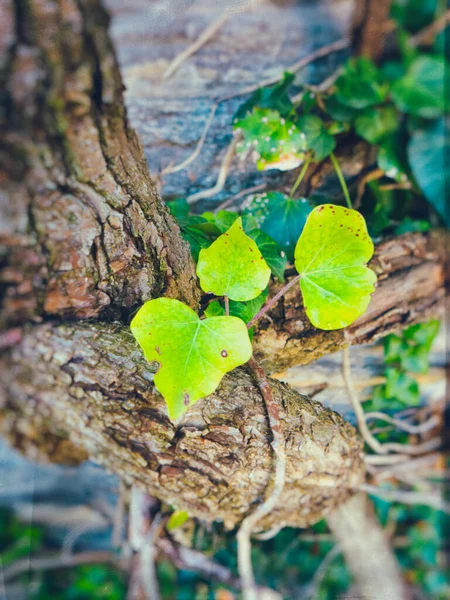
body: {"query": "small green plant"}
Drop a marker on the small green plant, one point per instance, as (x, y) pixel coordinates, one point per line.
(194, 353)
(404, 355)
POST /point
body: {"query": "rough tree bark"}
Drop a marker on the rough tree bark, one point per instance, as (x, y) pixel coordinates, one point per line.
(86, 236)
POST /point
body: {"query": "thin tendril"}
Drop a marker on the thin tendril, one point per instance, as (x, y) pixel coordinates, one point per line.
(300, 177)
(337, 168)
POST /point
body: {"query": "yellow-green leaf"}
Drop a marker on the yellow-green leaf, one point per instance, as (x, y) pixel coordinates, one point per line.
(177, 519)
(194, 354)
(233, 266)
(331, 257)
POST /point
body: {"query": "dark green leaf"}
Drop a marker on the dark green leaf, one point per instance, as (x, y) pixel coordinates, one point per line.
(280, 217)
(274, 256)
(359, 86)
(392, 157)
(421, 91)
(318, 139)
(400, 386)
(375, 124)
(428, 152)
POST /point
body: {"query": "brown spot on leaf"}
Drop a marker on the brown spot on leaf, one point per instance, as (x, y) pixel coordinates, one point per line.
(224, 353)
(158, 350)
(186, 399)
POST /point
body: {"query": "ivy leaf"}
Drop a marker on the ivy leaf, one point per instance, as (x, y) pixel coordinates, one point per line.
(318, 139)
(177, 519)
(331, 257)
(421, 91)
(275, 97)
(194, 354)
(359, 86)
(233, 266)
(280, 217)
(271, 251)
(273, 141)
(224, 219)
(392, 157)
(375, 124)
(428, 150)
(339, 111)
(243, 310)
(402, 387)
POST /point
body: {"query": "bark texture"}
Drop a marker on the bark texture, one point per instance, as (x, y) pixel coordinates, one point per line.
(85, 232)
(371, 24)
(89, 383)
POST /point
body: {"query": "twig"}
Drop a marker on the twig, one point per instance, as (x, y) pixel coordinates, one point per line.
(407, 497)
(431, 423)
(411, 464)
(147, 561)
(227, 305)
(268, 305)
(221, 179)
(174, 169)
(321, 571)
(246, 192)
(118, 519)
(279, 450)
(371, 176)
(427, 35)
(320, 53)
(303, 62)
(370, 440)
(269, 534)
(202, 39)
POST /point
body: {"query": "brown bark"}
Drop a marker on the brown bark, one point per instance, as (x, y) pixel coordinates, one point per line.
(90, 384)
(375, 571)
(371, 24)
(85, 232)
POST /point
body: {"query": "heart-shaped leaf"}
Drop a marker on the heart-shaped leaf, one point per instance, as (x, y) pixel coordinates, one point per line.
(194, 354)
(233, 266)
(331, 257)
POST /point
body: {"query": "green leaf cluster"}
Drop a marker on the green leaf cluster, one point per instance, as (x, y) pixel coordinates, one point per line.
(404, 354)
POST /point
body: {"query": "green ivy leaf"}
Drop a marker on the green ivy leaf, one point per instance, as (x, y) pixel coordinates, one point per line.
(375, 124)
(421, 91)
(392, 157)
(331, 257)
(318, 139)
(243, 310)
(428, 150)
(224, 219)
(359, 85)
(339, 111)
(194, 354)
(275, 97)
(280, 217)
(401, 387)
(177, 519)
(274, 256)
(233, 266)
(273, 141)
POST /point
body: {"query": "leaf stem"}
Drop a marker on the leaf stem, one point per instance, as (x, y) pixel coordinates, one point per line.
(268, 305)
(300, 176)
(338, 170)
(227, 305)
